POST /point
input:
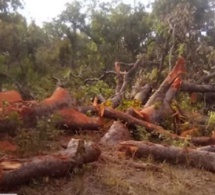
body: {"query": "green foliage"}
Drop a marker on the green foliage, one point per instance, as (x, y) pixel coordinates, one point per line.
(184, 101)
(140, 134)
(34, 141)
(136, 104)
(86, 92)
(181, 49)
(211, 121)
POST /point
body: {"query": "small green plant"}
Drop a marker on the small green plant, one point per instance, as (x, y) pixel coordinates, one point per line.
(33, 141)
(140, 134)
(211, 122)
(136, 104)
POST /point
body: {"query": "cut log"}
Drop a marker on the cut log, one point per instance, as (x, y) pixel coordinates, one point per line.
(210, 148)
(174, 155)
(74, 120)
(117, 133)
(17, 172)
(28, 111)
(192, 87)
(9, 97)
(203, 141)
(60, 99)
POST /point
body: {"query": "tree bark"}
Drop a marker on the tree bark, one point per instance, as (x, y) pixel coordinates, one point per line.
(117, 133)
(143, 94)
(160, 94)
(17, 172)
(9, 97)
(203, 141)
(60, 99)
(174, 155)
(192, 87)
(73, 120)
(130, 120)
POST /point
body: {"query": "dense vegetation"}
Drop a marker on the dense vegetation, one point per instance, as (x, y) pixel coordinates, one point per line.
(87, 38)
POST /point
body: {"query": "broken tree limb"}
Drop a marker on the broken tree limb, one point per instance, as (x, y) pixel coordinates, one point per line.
(174, 155)
(118, 132)
(130, 120)
(16, 172)
(192, 87)
(123, 78)
(90, 80)
(157, 112)
(159, 95)
(130, 74)
(73, 120)
(119, 78)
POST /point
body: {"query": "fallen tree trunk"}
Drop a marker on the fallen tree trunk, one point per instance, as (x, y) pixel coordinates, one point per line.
(73, 120)
(174, 155)
(203, 141)
(9, 97)
(60, 99)
(16, 172)
(192, 87)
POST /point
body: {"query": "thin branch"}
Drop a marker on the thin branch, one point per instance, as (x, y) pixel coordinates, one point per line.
(89, 80)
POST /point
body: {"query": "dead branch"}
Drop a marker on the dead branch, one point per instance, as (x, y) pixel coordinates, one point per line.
(109, 72)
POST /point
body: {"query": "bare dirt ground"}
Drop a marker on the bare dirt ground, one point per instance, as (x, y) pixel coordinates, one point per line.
(109, 178)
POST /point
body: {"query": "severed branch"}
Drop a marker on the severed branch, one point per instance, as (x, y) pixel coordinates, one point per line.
(122, 84)
(109, 72)
(164, 87)
(130, 120)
